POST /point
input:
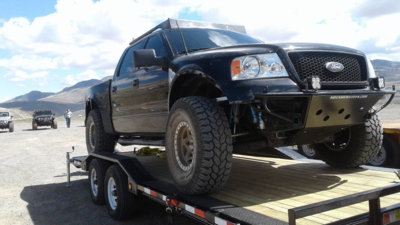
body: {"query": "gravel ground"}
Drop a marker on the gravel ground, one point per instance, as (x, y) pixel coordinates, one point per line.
(33, 181)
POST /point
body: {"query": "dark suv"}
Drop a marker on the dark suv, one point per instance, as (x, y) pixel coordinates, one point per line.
(206, 90)
(6, 121)
(43, 118)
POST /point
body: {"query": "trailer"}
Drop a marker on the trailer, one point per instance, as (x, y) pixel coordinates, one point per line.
(261, 190)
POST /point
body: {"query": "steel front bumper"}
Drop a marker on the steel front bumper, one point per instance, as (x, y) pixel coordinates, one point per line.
(333, 108)
(3, 124)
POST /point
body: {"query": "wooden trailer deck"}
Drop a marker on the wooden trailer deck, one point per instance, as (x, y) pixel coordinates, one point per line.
(271, 186)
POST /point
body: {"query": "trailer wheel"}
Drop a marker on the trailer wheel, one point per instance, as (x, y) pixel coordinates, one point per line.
(97, 140)
(199, 145)
(353, 146)
(11, 127)
(388, 155)
(119, 201)
(54, 124)
(34, 125)
(97, 170)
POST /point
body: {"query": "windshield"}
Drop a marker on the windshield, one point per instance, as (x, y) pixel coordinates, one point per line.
(4, 114)
(43, 113)
(199, 39)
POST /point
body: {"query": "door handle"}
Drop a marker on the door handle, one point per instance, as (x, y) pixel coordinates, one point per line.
(114, 89)
(135, 82)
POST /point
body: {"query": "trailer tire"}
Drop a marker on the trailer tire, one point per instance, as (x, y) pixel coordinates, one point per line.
(119, 201)
(353, 146)
(11, 127)
(97, 140)
(199, 145)
(388, 155)
(97, 170)
(54, 124)
(34, 125)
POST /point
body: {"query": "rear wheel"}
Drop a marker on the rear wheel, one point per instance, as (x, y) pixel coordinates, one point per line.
(354, 146)
(34, 125)
(199, 145)
(97, 170)
(388, 155)
(11, 127)
(121, 203)
(307, 151)
(97, 140)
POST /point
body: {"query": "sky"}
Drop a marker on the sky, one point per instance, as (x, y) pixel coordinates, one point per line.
(48, 45)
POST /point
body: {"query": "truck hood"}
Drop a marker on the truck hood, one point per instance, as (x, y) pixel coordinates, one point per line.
(315, 47)
(264, 48)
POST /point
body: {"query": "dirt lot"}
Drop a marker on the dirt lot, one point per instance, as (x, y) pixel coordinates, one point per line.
(33, 181)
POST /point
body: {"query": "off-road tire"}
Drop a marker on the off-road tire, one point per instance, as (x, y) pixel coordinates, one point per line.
(390, 153)
(307, 151)
(97, 171)
(363, 145)
(34, 125)
(101, 141)
(54, 124)
(212, 143)
(126, 202)
(11, 127)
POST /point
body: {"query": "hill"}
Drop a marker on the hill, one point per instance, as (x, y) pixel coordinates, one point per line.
(69, 98)
(31, 96)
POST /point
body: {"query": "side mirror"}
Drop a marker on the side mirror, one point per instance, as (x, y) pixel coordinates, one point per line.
(147, 58)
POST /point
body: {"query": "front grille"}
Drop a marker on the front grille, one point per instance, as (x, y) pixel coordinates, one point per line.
(313, 63)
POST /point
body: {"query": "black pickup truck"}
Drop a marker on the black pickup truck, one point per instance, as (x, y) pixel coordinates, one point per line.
(206, 90)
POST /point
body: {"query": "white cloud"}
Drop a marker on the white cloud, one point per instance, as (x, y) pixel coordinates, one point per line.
(72, 79)
(90, 36)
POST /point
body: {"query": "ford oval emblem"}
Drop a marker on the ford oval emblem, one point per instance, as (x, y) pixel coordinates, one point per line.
(334, 67)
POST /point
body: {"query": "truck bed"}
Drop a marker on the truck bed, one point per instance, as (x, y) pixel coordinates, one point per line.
(262, 189)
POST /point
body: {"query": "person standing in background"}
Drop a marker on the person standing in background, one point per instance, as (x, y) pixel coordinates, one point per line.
(67, 116)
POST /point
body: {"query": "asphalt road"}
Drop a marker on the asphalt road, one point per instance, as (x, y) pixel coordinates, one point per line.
(33, 181)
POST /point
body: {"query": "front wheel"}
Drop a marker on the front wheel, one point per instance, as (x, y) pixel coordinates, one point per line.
(353, 146)
(54, 124)
(11, 127)
(34, 125)
(199, 145)
(97, 140)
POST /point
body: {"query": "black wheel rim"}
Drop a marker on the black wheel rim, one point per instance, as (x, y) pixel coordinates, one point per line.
(184, 146)
(340, 141)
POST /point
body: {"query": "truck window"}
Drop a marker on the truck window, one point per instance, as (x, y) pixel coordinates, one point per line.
(126, 69)
(198, 39)
(156, 43)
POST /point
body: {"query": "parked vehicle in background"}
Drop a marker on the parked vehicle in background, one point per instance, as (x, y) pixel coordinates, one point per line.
(205, 90)
(43, 118)
(6, 121)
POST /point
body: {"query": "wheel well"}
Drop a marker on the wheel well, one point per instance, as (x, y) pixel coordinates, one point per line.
(193, 85)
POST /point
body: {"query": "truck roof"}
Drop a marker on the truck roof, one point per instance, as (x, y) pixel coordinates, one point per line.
(176, 24)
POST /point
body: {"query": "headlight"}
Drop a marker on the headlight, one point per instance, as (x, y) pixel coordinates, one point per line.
(257, 66)
(371, 70)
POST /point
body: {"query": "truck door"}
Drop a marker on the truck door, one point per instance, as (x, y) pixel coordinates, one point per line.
(151, 97)
(123, 88)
